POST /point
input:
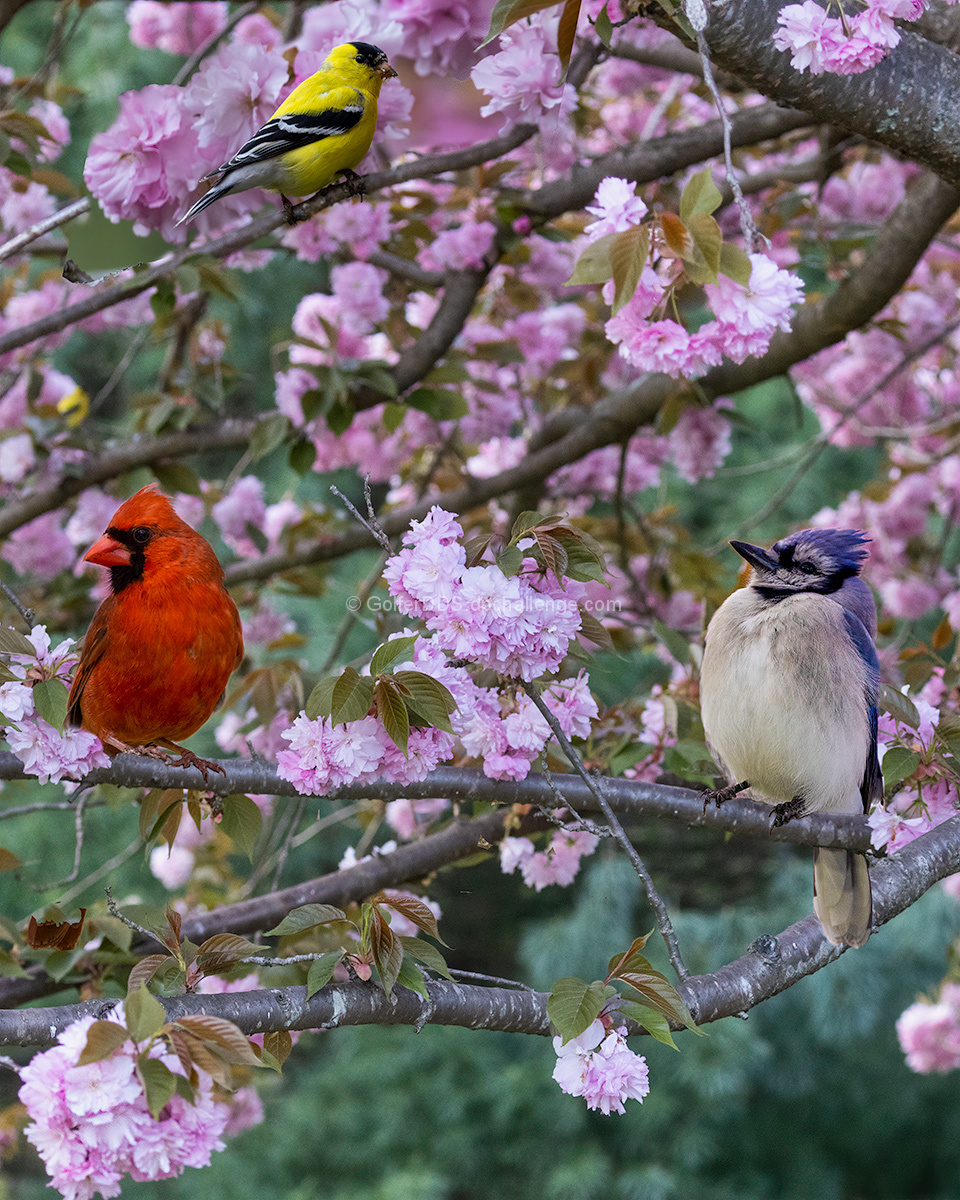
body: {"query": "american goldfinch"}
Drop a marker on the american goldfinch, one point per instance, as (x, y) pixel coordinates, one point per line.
(323, 129)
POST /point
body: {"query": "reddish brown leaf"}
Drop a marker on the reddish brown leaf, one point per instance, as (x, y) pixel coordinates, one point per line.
(54, 935)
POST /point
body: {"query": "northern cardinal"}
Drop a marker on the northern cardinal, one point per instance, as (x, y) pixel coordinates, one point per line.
(161, 647)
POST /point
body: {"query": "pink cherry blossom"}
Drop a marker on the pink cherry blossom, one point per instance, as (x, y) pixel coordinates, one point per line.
(616, 206)
(600, 1067)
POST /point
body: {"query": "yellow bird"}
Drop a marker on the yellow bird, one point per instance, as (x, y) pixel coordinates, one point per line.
(323, 129)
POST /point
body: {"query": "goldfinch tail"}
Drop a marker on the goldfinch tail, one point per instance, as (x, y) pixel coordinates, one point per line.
(218, 190)
(841, 896)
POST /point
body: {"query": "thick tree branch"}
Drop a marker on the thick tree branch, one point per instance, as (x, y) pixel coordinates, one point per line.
(643, 162)
(769, 967)
(909, 102)
(626, 796)
(138, 452)
(105, 296)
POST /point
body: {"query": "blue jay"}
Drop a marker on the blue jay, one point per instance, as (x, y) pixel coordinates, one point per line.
(788, 691)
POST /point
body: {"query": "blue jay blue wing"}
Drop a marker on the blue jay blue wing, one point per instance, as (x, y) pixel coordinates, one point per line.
(872, 786)
(293, 131)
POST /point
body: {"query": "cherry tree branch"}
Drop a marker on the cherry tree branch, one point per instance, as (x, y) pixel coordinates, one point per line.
(770, 966)
(628, 797)
(909, 102)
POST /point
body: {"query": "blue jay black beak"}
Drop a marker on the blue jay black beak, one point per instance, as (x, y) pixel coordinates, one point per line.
(756, 556)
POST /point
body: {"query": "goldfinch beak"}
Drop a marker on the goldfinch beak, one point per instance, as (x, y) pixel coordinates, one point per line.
(385, 71)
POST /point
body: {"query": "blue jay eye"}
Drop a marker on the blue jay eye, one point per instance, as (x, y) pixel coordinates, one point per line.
(808, 568)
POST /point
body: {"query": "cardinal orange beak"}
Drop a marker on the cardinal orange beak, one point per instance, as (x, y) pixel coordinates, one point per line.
(108, 552)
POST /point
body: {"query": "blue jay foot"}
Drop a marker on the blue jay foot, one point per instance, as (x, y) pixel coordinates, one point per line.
(782, 813)
(719, 795)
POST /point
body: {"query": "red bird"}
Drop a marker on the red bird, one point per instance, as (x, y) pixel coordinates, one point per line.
(160, 649)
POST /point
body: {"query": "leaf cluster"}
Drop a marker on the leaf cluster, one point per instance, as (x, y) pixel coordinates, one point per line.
(400, 699)
(574, 1004)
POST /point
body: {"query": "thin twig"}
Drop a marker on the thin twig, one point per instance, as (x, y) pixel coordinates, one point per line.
(214, 40)
(79, 812)
(697, 15)
(362, 596)
(60, 217)
(115, 912)
(593, 784)
(372, 525)
(26, 613)
(110, 865)
(286, 843)
(494, 979)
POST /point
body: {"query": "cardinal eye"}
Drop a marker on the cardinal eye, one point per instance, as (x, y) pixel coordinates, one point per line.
(140, 534)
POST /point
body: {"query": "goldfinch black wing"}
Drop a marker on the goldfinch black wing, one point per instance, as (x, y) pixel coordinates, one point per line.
(342, 110)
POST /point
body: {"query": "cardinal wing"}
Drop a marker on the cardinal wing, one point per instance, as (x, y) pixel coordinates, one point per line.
(94, 645)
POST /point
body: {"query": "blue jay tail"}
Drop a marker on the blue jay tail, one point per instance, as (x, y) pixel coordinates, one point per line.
(841, 896)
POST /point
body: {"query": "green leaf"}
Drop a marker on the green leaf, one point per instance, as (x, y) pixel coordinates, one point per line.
(268, 433)
(393, 415)
(321, 971)
(701, 195)
(389, 652)
(573, 1005)
(320, 701)
(339, 416)
(708, 242)
(103, 1037)
(593, 630)
(603, 27)
(735, 264)
(428, 698)
(12, 642)
(439, 403)
(159, 1083)
(352, 697)
(306, 917)
(427, 954)
(510, 560)
(899, 706)
(145, 1015)
(898, 764)
(410, 976)
(654, 1022)
(242, 823)
(508, 12)
(50, 701)
(628, 257)
(392, 712)
(594, 264)
(303, 454)
(379, 377)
